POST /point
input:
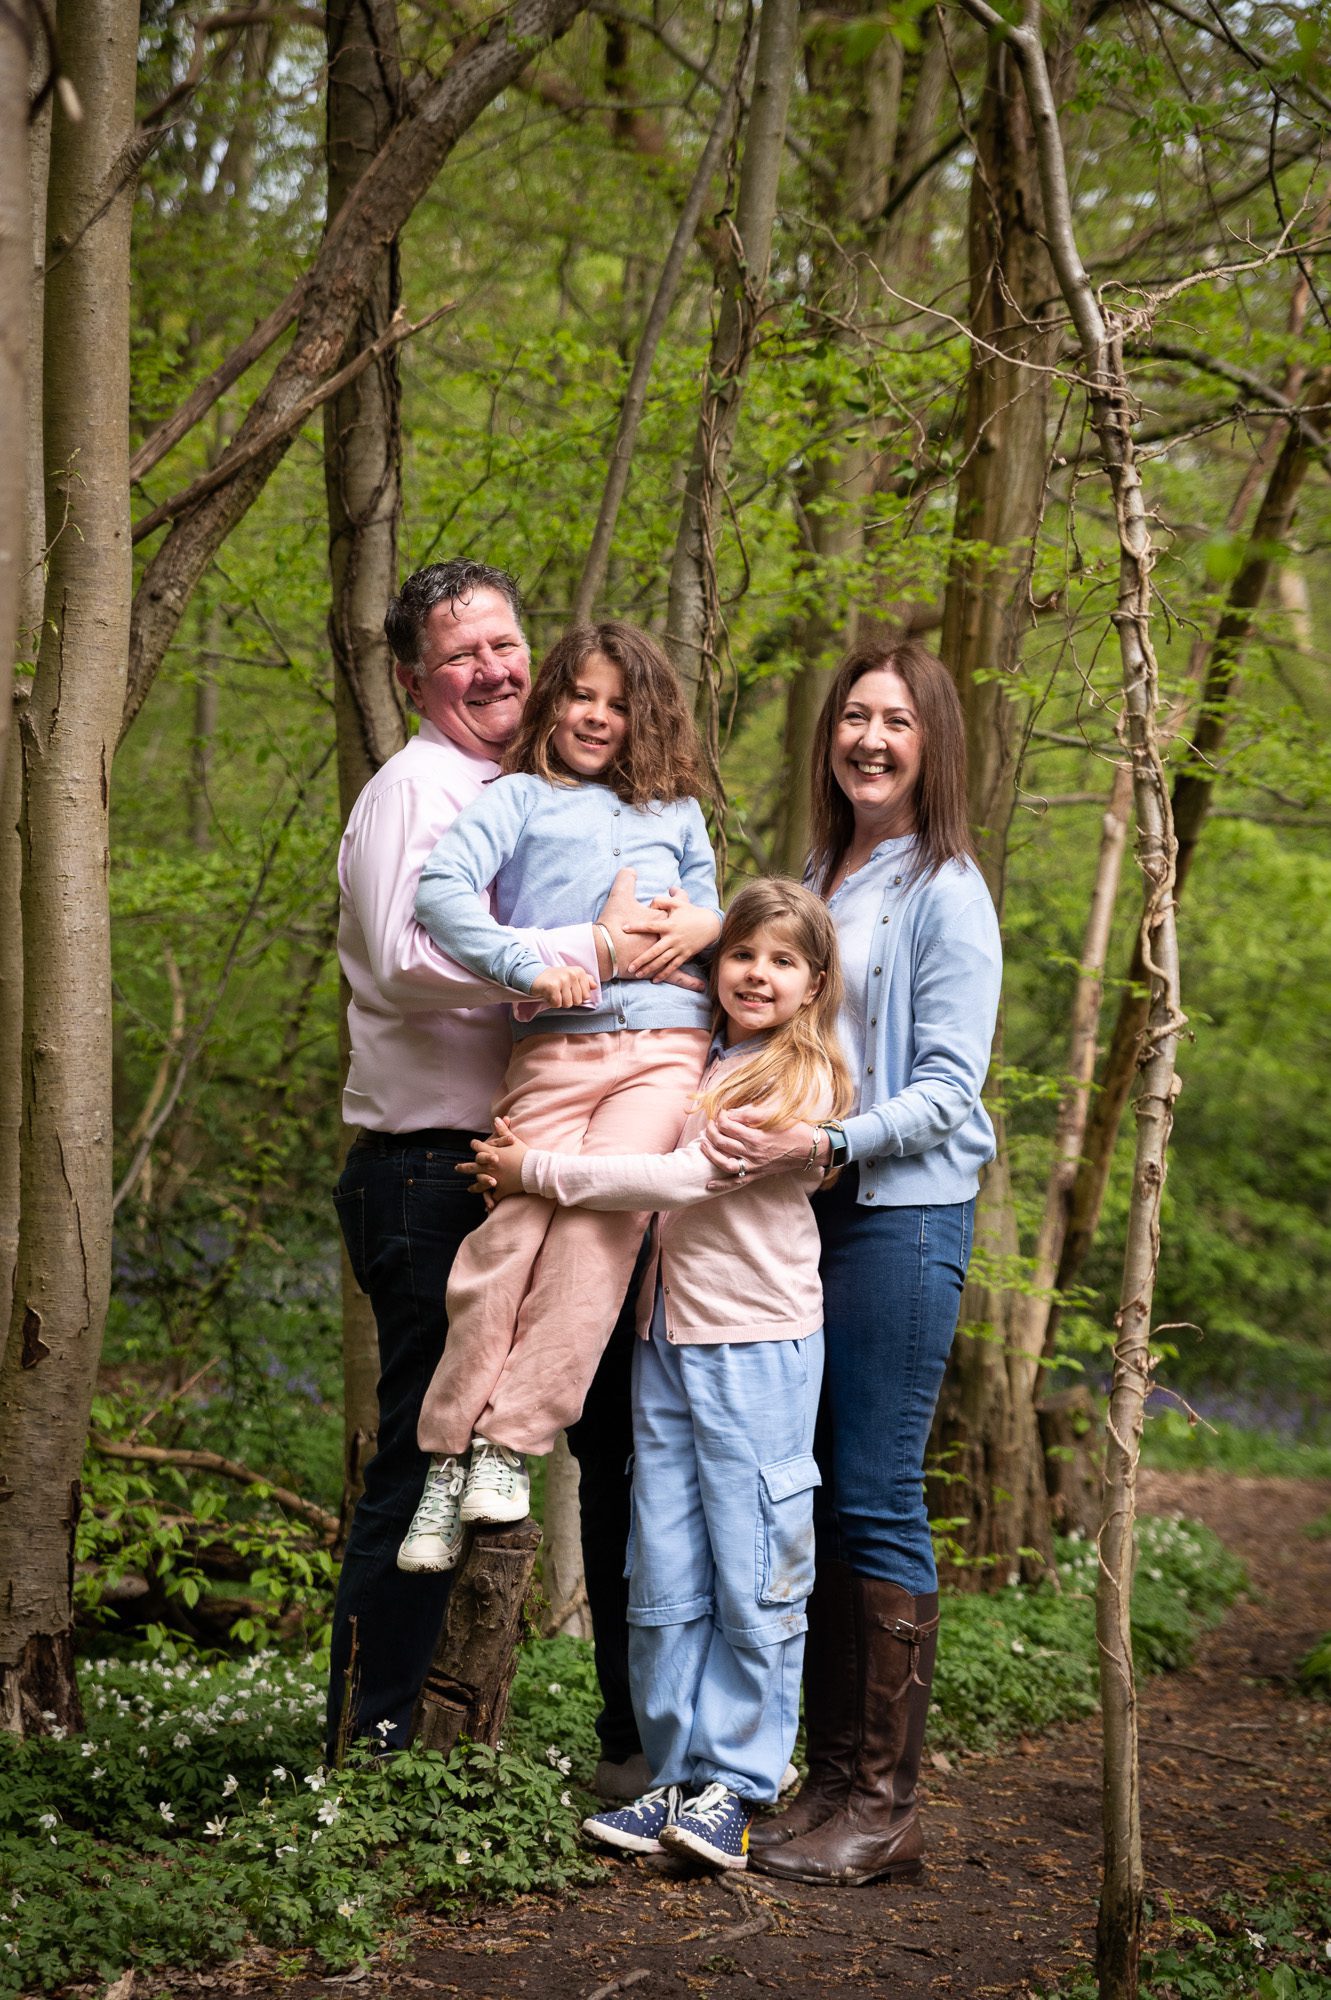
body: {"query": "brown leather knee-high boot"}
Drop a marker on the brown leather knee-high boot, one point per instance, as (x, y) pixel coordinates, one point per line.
(876, 1831)
(831, 1710)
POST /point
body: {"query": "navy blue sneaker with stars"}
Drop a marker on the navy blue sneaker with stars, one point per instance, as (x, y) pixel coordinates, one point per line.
(713, 1827)
(636, 1829)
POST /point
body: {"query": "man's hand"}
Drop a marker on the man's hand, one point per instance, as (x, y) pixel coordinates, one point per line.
(561, 986)
(498, 1168)
(680, 932)
(627, 920)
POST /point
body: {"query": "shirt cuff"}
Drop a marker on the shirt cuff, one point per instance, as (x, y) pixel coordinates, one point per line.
(570, 944)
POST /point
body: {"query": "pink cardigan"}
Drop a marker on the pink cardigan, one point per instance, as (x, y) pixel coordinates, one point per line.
(740, 1263)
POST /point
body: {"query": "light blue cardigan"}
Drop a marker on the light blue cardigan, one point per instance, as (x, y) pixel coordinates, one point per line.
(919, 1133)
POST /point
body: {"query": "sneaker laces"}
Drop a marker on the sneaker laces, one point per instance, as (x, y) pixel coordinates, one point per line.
(443, 1484)
(496, 1466)
(711, 1804)
(644, 1807)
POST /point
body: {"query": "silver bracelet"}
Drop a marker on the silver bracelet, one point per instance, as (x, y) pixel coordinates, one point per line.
(610, 948)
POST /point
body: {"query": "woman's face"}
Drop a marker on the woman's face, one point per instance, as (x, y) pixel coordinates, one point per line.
(876, 753)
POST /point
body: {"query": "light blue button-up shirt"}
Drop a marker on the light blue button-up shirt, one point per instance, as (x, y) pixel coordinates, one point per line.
(924, 965)
(543, 848)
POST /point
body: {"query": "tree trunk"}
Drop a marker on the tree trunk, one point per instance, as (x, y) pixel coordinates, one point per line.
(16, 38)
(69, 733)
(987, 1437)
(363, 483)
(437, 111)
(742, 287)
(562, 1574)
(1118, 1941)
(1191, 803)
(466, 1689)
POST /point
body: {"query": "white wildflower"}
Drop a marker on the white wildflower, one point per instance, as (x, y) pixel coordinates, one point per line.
(566, 1798)
(1256, 1940)
(316, 1780)
(230, 1785)
(384, 1728)
(164, 1808)
(57, 1733)
(47, 1820)
(48, 1715)
(99, 1770)
(554, 1688)
(180, 1741)
(1017, 1646)
(330, 1811)
(216, 1827)
(280, 1772)
(87, 1749)
(462, 1856)
(552, 1755)
(143, 1750)
(346, 1909)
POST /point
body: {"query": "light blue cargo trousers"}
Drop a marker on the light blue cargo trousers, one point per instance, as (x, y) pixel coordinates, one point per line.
(720, 1556)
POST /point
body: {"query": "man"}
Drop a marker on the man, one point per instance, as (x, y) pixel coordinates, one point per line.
(429, 1043)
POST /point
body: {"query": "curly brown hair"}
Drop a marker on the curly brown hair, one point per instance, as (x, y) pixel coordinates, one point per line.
(660, 758)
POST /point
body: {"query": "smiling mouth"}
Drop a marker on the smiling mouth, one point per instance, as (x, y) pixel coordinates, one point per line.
(876, 769)
(753, 999)
(488, 700)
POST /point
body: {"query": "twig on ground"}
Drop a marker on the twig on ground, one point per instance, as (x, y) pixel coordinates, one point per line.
(620, 1985)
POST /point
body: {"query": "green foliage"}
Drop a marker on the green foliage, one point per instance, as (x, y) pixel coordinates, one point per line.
(196, 1812)
(1174, 1443)
(1314, 1669)
(1020, 1660)
(1277, 1949)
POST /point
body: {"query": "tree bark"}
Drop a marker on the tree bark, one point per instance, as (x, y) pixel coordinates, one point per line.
(592, 581)
(987, 1438)
(363, 484)
(1193, 790)
(466, 1689)
(742, 286)
(16, 39)
(63, 1263)
(561, 1565)
(436, 112)
(1118, 1939)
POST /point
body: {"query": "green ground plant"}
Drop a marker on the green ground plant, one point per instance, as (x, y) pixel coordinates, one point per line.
(195, 1812)
(1278, 1949)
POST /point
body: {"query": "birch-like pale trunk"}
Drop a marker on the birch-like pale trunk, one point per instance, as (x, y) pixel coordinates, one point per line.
(691, 610)
(16, 39)
(363, 484)
(68, 738)
(592, 581)
(1118, 1937)
(561, 1547)
(1217, 670)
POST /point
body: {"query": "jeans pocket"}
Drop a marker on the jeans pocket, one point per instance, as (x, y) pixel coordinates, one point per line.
(350, 1206)
(785, 1540)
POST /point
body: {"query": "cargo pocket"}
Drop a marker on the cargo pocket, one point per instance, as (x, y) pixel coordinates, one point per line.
(785, 1541)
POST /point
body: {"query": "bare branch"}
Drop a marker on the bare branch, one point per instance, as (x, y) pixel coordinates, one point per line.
(227, 1468)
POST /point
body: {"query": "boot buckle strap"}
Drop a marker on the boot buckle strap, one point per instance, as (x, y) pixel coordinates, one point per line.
(913, 1636)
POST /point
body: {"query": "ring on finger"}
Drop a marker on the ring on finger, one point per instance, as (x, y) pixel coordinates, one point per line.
(741, 1170)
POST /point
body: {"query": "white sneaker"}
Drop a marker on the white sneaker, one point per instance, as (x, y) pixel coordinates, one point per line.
(497, 1487)
(434, 1539)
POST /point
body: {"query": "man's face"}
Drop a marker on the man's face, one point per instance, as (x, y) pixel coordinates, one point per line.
(475, 672)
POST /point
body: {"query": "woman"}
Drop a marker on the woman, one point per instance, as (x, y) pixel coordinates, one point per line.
(919, 940)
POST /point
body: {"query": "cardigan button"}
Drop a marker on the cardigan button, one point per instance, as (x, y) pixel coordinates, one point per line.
(873, 1020)
(878, 968)
(869, 1071)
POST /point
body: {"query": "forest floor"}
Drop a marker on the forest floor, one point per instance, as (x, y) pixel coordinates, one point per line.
(1235, 1781)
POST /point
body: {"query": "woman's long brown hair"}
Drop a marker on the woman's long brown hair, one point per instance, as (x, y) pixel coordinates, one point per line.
(942, 816)
(660, 757)
(800, 1064)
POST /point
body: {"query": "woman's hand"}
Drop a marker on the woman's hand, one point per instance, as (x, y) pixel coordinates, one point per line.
(681, 931)
(498, 1168)
(741, 1149)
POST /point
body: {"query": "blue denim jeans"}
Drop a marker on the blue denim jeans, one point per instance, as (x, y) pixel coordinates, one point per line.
(721, 1556)
(404, 1211)
(892, 1280)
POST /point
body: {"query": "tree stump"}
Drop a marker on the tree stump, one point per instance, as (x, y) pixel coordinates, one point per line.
(466, 1689)
(1074, 1460)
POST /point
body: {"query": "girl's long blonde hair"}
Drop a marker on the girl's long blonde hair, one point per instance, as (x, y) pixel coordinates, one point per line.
(790, 1075)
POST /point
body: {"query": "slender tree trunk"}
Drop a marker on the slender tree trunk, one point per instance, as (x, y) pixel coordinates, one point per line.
(363, 482)
(16, 38)
(1118, 1943)
(437, 111)
(592, 581)
(561, 1546)
(63, 1264)
(987, 1438)
(1191, 804)
(742, 288)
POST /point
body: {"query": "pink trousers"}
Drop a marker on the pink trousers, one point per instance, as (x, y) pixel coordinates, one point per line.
(536, 1289)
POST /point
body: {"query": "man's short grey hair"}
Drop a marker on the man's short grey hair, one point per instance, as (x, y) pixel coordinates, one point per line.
(441, 583)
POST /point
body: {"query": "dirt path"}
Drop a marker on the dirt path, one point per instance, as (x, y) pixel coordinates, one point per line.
(1236, 1775)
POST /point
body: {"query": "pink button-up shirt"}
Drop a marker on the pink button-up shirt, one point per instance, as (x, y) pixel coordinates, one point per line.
(426, 1051)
